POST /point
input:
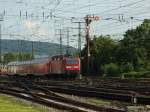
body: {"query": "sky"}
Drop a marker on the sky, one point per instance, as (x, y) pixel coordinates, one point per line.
(40, 20)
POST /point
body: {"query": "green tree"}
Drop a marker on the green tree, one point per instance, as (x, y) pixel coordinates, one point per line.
(17, 57)
(131, 54)
(127, 67)
(102, 50)
(9, 57)
(138, 38)
(135, 47)
(111, 70)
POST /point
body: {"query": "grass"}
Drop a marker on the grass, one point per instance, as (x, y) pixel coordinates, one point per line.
(99, 101)
(11, 104)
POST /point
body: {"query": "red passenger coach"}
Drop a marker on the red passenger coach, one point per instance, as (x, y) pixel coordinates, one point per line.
(36, 67)
(3, 70)
(56, 65)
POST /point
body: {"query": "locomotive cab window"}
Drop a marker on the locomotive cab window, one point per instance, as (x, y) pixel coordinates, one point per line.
(71, 61)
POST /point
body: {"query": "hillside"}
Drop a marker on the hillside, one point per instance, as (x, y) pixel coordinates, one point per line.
(40, 48)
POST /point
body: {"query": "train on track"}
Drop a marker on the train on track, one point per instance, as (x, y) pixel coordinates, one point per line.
(60, 65)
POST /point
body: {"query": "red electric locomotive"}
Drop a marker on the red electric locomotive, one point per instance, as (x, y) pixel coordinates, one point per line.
(56, 65)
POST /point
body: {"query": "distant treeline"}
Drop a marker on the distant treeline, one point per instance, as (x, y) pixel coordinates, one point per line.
(39, 48)
(9, 57)
(129, 57)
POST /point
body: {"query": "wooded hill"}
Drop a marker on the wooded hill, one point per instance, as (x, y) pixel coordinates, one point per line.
(39, 48)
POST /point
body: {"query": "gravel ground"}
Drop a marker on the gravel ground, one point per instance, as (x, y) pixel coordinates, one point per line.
(106, 103)
(43, 108)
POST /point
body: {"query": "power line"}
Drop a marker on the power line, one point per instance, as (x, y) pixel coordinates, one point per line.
(88, 5)
(123, 6)
(59, 1)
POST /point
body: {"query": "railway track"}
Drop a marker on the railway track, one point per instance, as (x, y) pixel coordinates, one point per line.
(103, 87)
(108, 94)
(50, 99)
(137, 86)
(108, 87)
(106, 90)
(103, 93)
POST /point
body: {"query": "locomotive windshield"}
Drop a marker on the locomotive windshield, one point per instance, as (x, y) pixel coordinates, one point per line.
(71, 61)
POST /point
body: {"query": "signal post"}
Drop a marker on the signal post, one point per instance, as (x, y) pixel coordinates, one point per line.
(88, 20)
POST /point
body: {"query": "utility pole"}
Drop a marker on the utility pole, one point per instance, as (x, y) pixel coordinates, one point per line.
(32, 49)
(19, 58)
(79, 47)
(67, 29)
(79, 44)
(68, 32)
(0, 44)
(1, 19)
(60, 41)
(60, 31)
(79, 36)
(88, 20)
(79, 40)
(19, 50)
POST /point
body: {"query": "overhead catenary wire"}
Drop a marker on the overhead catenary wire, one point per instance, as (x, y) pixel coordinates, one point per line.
(120, 7)
(60, 12)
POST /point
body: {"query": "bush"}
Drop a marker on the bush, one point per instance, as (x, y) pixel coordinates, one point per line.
(148, 66)
(133, 74)
(127, 68)
(146, 74)
(141, 69)
(111, 70)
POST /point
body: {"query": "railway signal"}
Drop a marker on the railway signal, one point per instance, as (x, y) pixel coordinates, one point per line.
(88, 20)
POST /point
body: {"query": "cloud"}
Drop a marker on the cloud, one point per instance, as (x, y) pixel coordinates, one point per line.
(32, 24)
(42, 32)
(36, 28)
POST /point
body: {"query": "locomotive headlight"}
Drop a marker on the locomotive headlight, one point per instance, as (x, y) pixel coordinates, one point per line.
(75, 67)
(68, 67)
